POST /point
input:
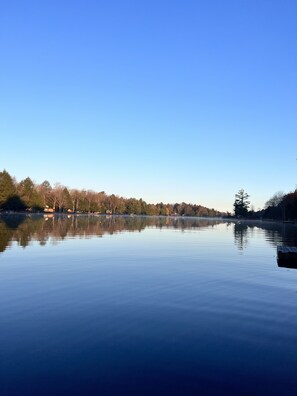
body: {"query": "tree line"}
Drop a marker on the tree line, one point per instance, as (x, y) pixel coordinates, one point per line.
(280, 206)
(29, 196)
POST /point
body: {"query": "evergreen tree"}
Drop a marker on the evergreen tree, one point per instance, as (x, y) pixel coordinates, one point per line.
(29, 194)
(241, 204)
(67, 199)
(7, 189)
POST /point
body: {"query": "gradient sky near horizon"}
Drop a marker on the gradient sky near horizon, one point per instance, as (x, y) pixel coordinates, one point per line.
(165, 100)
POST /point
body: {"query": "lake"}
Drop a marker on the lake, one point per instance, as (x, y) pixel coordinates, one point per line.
(145, 306)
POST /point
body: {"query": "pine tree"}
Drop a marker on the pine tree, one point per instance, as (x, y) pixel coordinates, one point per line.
(7, 189)
(241, 204)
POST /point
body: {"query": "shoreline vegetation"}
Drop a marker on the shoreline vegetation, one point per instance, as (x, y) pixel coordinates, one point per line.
(35, 198)
(28, 197)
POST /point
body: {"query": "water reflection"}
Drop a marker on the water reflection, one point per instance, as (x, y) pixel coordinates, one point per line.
(276, 233)
(241, 235)
(177, 312)
(26, 228)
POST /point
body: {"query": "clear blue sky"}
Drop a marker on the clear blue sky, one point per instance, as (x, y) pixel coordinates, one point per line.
(165, 100)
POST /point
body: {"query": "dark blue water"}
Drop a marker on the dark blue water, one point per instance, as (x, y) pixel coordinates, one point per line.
(126, 306)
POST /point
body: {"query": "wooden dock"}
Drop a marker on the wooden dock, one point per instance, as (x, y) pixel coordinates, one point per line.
(287, 256)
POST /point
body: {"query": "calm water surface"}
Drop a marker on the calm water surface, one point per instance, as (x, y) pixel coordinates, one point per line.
(145, 306)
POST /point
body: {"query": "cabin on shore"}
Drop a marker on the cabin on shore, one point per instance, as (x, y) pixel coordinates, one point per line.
(47, 209)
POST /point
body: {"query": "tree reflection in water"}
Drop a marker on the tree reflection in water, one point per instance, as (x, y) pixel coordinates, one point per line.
(241, 235)
(25, 228)
(276, 233)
